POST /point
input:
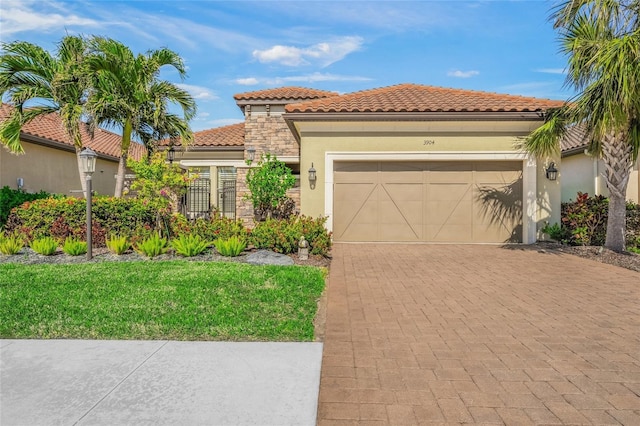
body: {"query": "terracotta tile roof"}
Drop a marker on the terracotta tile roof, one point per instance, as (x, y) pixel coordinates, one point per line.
(284, 94)
(418, 98)
(49, 127)
(231, 135)
(574, 140)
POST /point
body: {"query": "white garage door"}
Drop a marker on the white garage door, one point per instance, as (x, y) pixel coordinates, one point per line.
(437, 201)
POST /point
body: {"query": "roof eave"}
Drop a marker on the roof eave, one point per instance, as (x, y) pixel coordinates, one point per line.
(574, 151)
(60, 145)
(192, 148)
(291, 117)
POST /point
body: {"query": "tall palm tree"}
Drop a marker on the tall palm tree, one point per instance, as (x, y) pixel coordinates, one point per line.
(602, 41)
(38, 83)
(128, 94)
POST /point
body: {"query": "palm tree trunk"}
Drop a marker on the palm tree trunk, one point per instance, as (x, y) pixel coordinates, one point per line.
(617, 155)
(83, 181)
(122, 165)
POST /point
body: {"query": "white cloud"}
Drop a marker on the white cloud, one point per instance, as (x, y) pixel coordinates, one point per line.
(462, 74)
(250, 81)
(198, 92)
(25, 16)
(324, 54)
(551, 70)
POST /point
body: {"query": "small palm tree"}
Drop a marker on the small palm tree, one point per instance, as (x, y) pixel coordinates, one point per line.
(128, 94)
(39, 83)
(602, 41)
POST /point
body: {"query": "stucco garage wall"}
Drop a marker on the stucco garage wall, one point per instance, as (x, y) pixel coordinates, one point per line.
(424, 141)
(53, 170)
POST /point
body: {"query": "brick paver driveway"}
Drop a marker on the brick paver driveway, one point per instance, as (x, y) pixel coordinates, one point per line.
(420, 334)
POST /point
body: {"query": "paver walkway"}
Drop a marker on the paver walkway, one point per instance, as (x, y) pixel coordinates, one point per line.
(448, 334)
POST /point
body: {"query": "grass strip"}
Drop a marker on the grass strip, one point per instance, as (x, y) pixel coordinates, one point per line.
(176, 300)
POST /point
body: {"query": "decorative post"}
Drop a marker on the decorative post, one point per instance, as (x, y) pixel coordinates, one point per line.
(88, 159)
(303, 249)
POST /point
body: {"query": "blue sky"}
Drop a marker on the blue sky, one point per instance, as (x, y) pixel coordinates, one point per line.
(239, 46)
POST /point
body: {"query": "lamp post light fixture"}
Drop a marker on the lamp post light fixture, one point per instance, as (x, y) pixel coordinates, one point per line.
(171, 155)
(88, 160)
(552, 172)
(251, 154)
(312, 176)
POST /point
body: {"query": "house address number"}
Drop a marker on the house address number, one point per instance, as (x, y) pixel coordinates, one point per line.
(429, 142)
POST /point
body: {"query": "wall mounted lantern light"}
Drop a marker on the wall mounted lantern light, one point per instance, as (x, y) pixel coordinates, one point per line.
(171, 154)
(251, 154)
(552, 172)
(312, 177)
(88, 161)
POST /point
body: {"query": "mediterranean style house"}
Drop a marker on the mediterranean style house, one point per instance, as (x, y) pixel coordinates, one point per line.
(399, 163)
(49, 162)
(583, 173)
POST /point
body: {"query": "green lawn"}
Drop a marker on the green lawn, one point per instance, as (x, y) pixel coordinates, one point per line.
(177, 300)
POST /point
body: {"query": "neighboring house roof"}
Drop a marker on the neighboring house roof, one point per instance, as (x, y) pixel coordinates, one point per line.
(226, 136)
(409, 98)
(574, 141)
(283, 95)
(48, 130)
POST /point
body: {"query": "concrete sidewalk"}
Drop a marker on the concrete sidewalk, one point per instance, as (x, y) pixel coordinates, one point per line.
(89, 382)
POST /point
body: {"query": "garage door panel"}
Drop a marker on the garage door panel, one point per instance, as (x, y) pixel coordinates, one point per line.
(351, 199)
(356, 177)
(449, 233)
(429, 201)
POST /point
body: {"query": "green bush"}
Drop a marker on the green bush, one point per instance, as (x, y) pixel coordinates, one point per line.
(268, 184)
(74, 247)
(66, 217)
(118, 244)
(282, 236)
(584, 222)
(10, 198)
(210, 229)
(152, 246)
(189, 245)
(45, 245)
(231, 246)
(11, 244)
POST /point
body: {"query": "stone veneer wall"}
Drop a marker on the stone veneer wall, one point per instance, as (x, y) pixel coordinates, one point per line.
(267, 133)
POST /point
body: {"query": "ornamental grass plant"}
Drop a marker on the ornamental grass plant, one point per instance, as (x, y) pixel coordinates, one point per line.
(45, 246)
(152, 246)
(74, 247)
(189, 245)
(231, 246)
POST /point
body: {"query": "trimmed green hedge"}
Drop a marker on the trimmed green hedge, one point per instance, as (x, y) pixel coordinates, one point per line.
(61, 218)
(66, 217)
(10, 198)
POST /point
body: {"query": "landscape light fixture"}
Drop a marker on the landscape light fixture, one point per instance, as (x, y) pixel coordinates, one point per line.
(251, 153)
(171, 155)
(552, 172)
(312, 176)
(88, 161)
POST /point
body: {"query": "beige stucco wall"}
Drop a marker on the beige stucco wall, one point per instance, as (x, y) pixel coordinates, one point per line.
(53, 170)
(583, 173)
(466, 138)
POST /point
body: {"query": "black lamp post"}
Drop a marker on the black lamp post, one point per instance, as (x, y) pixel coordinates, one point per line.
(88, 160)
(171, 155)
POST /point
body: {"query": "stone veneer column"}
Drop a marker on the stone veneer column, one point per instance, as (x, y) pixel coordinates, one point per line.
(268, 133)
